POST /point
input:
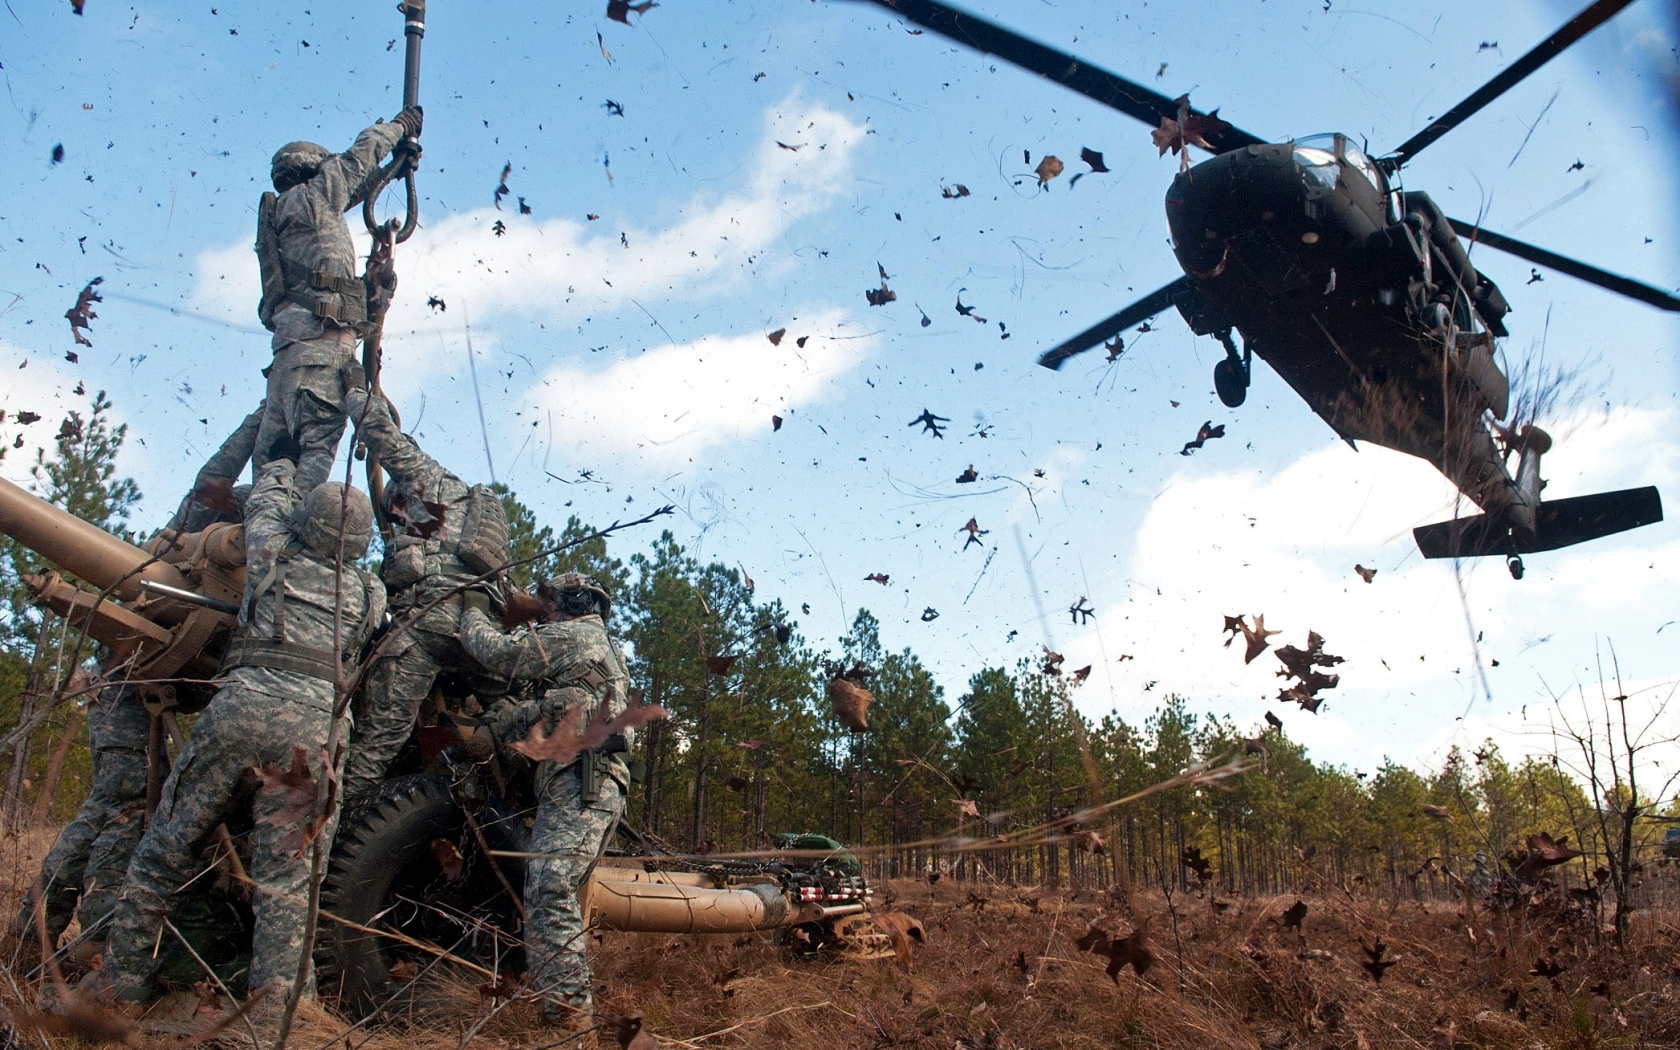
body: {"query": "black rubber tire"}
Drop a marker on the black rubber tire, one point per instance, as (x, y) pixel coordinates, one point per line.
(383, 857)
(1230, 383)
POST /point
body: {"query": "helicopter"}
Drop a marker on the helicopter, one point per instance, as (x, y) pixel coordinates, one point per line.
(1361, 295)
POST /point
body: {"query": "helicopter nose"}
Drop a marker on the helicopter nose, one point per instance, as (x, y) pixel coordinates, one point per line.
(1214, 203)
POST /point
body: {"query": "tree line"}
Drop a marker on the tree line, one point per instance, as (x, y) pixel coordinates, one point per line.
(753, 746)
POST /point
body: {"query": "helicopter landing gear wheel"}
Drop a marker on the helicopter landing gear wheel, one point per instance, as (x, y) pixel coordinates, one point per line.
(1230, 383)
(1515, 564)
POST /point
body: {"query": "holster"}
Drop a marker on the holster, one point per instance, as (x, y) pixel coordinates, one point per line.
(594, 767)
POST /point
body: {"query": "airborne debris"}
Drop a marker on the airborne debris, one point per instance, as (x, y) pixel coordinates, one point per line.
(953, 192)
(930, 422)
(967, 311)
(877, 577)
(1131, 949)
(968, 476)
(81, 315)
(775, 423)
(619, 10)
(1206, 433)
(1299, 664)
(1364, 573)
(776, 336)
(1255, 636)
(502, 186)
(1190, 129)
(883, 295)
(974, 533)
(1048, 168)
(930, 614)
(1377, 965)
(567, 739)
(1081, 611)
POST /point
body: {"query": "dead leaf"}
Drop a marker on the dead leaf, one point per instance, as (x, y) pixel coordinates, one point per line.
(520, 607)
(1364, 573)
(81, 315)
(1094, 159)
(566, 740)
(299, 791)
(953, 192)
(775, 423)
(877, 577)
(1255, 636)
(1190, 129)
(502, 186)
(1294, 915)
(449, 859)
(902, 930)
(1441, 813)
(1203, 867)
(1207, 432)
(776, 336)
(968, 476)
(619, 10)
(1048, 168)
(1377, 965)
(1089, 841)
(884, 295)
(1543, 852)
(967, 806)
(719, 665)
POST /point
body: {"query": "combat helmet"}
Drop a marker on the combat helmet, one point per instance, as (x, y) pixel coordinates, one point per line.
(328, 508)
(296, 162)
(575, 594)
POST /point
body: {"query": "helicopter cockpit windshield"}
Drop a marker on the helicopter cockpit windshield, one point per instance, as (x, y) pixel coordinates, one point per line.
(1318, 155)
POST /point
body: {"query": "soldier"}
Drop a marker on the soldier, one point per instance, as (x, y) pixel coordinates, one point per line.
(301, 587)
(575, 663)
(83, 871)
(448, 534)
(312, 299)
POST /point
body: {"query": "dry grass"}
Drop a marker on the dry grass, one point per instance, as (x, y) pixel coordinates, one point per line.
(1228, 979)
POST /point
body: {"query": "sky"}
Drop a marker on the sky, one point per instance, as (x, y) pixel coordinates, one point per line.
(709, 174)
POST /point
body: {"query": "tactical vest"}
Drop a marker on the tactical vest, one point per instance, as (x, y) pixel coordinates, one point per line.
(342, 300)
(480, 544)
(280, 650)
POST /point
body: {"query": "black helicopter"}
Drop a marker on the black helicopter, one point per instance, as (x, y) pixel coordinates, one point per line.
(1359, 294)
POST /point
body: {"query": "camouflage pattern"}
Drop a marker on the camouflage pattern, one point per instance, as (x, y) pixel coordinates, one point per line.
(225, 464)
(571, 832)
(312, 354)
(405, 672)
(84, 869)
(253, 721)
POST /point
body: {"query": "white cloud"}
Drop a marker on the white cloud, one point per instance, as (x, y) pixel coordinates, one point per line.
(564, 266)
(1285, 545)
(675, 400)
(45, 387)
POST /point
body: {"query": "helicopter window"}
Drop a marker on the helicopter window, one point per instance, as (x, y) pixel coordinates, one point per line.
(1317, 156)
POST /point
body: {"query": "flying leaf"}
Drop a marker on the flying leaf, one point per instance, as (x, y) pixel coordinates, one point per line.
(967, 806)
(877, 577)
(1364, 573)
(719, 665)
(1440, 813)
(968, 475)
(631, 1033)
(883, 295)
(1048, 168)
(619, 10)
(775, 423)
(930, 423)
(1377, 965)
(520, 607)
(953, 192)
(81, 315)
(1089, 841)
(1206, 433)
(502, 186)
(1543, 853)
(1094, 159)
(567, 740)
(298, 790)
(904, 931)
(1296, 913)
(776, 336)
(1255, 636)
(930, 614)
(1203, 867)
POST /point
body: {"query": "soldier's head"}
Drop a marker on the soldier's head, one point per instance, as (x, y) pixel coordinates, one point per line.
(296, 162)
(573, 594)
(329, 509)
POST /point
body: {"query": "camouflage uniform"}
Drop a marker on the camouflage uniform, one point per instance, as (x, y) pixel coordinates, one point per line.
(225, 464)
(84, 870)
(290, 594)
(577, 664)
(417, 571)
(317, 324)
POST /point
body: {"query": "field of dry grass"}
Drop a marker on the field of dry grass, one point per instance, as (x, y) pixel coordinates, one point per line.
(1001, 967)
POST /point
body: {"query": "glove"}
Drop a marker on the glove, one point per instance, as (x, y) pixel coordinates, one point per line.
(411, 119)
(355, 377)
(284, 447)
(475, 599)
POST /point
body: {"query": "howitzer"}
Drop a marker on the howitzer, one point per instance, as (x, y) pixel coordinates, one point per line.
(165, 612)
(161, 611)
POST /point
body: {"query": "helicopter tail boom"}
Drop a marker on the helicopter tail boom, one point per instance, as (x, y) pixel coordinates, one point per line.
(1557, 523)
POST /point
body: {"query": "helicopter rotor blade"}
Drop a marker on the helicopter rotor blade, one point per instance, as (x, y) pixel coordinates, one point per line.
(1111, 89)
(1099, 333)
(1562, 264)
(1576, 28)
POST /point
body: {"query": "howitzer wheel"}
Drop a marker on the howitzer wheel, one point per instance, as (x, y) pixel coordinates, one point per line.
(388, 873)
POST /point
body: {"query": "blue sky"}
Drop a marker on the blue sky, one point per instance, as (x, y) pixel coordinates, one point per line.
(634, 344)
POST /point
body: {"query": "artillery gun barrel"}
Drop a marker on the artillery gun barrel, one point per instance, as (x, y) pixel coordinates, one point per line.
(79, 547)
